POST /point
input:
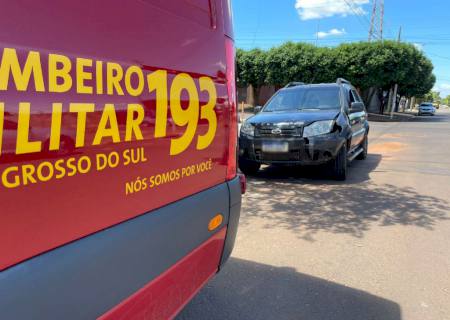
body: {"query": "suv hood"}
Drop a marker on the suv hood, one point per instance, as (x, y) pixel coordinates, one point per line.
(298, 116)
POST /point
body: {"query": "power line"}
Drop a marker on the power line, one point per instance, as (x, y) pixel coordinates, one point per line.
(258, 23)
(418, 40)
(438, 56)
(431, 36)
(362, 20)
(353, 5)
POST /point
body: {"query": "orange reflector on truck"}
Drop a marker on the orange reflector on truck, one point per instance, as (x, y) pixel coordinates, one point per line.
(215, 222)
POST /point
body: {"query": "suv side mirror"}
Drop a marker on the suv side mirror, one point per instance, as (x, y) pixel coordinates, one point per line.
(356, 107)
(257, 109)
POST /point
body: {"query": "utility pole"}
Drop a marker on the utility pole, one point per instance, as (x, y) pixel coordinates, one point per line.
(376, 29)
(381, 18)
(394, 98)
(399, 34)
(372, 19)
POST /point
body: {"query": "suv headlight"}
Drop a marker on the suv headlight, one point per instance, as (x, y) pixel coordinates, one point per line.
(318, 128)
(248, 129)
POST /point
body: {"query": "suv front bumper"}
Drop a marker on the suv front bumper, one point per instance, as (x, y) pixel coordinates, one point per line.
(306, 151)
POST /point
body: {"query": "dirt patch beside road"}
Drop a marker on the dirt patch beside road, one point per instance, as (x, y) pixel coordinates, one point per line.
(387, 147)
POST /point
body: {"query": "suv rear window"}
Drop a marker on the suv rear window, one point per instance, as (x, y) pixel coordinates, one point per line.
(304, 98)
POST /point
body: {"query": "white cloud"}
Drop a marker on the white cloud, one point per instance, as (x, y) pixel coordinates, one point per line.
(317, 9)
(332, 32)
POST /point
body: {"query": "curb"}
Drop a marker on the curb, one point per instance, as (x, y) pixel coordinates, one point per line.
(397, 117)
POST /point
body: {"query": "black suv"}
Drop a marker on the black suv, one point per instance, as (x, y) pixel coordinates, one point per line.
(306, 124)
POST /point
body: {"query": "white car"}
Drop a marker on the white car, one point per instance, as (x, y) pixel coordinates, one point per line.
(426, 108)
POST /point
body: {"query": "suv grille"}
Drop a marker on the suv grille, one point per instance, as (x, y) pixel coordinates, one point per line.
(274, 131)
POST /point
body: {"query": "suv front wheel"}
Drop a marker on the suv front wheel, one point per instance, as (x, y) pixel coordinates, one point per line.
(365, 147)
(339, 164)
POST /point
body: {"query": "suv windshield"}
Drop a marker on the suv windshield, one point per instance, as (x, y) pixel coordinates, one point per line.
(316, 98)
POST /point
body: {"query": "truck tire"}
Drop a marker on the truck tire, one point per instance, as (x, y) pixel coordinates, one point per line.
(339, 164)
(365, 146)
(249, 167)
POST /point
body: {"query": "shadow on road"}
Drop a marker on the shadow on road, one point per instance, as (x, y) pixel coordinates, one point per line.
(358, 171)
(302, 200)
(249, 290)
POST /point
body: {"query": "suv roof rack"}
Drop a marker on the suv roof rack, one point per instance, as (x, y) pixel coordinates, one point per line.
(342, 80)
(294, 84)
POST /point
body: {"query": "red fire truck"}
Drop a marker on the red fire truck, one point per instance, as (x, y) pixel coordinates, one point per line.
(119, 197)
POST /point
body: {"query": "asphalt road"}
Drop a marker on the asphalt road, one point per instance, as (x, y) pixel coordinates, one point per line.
(374, 247)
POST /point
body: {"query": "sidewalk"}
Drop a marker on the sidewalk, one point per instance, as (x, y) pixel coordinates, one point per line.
(396, 117)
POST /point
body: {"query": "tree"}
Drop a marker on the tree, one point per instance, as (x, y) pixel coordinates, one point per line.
(281, 63)
(446, 100)
(299, 62)
(251, 69)
(378, 65)
(383, 64)
(432, 96)
(419, 77)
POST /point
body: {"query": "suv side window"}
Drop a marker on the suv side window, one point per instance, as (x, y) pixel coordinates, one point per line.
(355, 96)
(351, 97)
(346, 93)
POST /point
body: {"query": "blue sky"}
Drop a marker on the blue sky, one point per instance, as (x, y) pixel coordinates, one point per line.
(266, 23)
